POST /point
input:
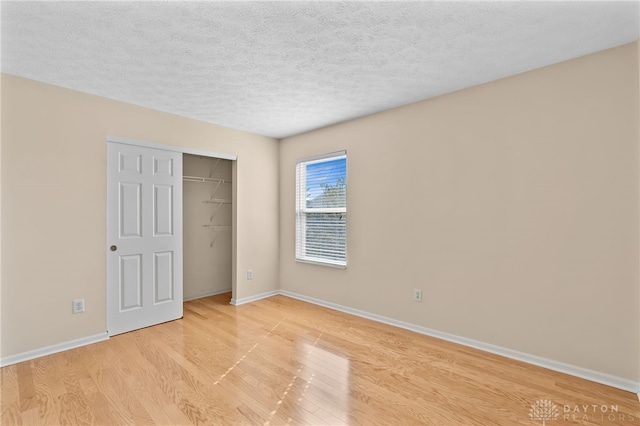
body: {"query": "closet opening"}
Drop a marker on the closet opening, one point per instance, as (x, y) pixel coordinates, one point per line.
(207, 226)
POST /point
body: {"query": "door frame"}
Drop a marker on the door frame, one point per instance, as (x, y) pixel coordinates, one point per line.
(184, 150)
(203, 153)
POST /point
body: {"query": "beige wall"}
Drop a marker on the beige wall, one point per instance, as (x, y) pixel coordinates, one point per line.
(54, 205)
(513, 205)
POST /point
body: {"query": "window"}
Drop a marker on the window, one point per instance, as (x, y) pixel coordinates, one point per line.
(321, 209)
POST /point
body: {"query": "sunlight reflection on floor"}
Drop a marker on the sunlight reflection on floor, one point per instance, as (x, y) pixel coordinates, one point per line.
(230, 369)
(329, 400)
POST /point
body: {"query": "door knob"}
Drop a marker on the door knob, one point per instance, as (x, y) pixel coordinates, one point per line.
(113, 248)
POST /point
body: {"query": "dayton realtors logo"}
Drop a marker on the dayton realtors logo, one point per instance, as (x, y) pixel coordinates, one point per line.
(545, 410)
(596, 413)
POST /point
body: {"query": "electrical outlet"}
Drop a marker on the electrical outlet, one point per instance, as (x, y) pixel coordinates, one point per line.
(78, 306)
(417, 295)
(249, 274)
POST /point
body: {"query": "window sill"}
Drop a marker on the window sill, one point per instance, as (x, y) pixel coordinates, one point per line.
(322, 263)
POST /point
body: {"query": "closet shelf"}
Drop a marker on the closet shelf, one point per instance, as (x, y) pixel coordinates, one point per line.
(203, 179)
(219, 227)
(217, 201)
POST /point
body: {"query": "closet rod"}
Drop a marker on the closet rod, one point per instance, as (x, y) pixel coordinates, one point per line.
(203, 179)
(219, 227)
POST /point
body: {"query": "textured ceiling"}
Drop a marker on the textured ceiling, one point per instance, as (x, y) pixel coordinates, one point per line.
(282, 68)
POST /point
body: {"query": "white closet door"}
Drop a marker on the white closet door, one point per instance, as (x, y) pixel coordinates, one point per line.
(144, 237)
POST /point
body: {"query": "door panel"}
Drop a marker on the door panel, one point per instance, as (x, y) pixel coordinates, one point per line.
(163, 212)
(130, 162)
(130, 282)
(163, 166)
(130, 210)
(162, 277)
(144, 233)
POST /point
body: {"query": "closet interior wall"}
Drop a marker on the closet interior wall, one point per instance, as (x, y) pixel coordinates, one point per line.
(206, 226)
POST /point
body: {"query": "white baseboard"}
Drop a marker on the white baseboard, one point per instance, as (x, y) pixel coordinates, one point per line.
(48, 350)
(207, 294)
(243, 300)
(584, 373)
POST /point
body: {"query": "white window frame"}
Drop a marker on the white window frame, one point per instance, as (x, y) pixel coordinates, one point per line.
(302, 210)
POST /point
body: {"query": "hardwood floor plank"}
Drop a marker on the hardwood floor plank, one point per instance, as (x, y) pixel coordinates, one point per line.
(145, 379)
(11, 414)
(31, 417)
(74, 409)
(47, 392)
(9, 385)
(26, 387)
(280, 361)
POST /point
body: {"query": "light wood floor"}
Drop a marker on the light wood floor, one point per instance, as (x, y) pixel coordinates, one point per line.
(282, 361)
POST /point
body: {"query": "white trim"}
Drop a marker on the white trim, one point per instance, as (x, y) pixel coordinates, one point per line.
(584, 373)
(207, 294)
(322, 262)
(318, 158)
(48, 350)
(638, 395)
(155, 145)
(242, 301)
